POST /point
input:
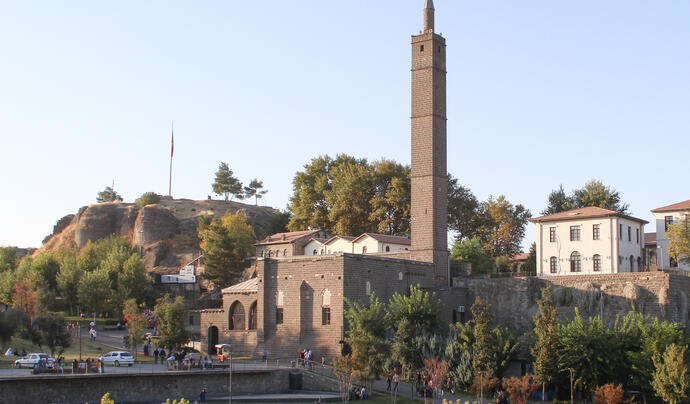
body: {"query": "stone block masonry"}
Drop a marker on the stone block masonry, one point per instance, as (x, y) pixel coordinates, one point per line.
(513, 300)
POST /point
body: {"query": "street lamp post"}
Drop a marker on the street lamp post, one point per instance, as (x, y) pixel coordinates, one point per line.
(571, 385)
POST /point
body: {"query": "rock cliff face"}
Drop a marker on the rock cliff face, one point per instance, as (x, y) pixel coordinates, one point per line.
(165, 232)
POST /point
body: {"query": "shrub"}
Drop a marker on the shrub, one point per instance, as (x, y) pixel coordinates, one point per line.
(148, 198)
(608, 394)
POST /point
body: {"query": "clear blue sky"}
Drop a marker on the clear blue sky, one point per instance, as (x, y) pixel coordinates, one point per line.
(540, 93)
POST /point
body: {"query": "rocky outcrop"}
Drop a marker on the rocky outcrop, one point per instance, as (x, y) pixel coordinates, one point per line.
(165, 233)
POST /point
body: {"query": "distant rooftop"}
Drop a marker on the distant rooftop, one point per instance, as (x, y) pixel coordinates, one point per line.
(685, 205)
(589, 212)
(385, 238)
(287, 237)
(249, 286)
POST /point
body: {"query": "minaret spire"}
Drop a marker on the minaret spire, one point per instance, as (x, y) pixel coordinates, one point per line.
(429, 16)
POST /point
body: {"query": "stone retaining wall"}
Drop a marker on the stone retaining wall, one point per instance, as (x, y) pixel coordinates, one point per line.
(134, 387)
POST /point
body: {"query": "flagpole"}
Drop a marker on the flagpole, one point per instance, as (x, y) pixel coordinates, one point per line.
(172, 151)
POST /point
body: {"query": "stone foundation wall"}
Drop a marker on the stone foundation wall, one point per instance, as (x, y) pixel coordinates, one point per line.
(513, 300)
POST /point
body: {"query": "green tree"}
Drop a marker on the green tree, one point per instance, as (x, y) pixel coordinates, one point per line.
(671, 380)
(170, 316)
(7, 282)
(226, 241)
(505, 349)
(106, 399)
(349, 198)
(545, 361)
(390, 205)
(226, 184)
(366, 337)
(52, 332)
(593, 193)
(136, 323)
(529, 267)
(9, 323)
(483, 348)
(590, 349)
(411, 315)
(133, 281)
(47, 268)
(470, 250)
(94, 290)
(503, 226)
(8, 259)
(148, 198)
(68, 280)
(108, 195)
(463, 210)
(255, 189)
(679, 236)
(558, 201)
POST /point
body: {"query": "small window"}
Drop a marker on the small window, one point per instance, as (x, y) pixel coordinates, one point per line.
(364, 250)
(325, 316)
(575, 262)
(632, 263)
(554, 265)
(552, 234)
(620, 231)
(637, 236)
(285, 252)
(629, 233)
(639, 264)
(388, 249)
(314, 252)
(597, 262)
(421, 48)
(668, 221)
(574, 233)
(279, 315)
(596, 232)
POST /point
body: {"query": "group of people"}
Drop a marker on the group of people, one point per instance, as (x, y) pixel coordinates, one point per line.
(359, 394)
(83, 366)
(392, 377)
(15, 352)
(305, 357)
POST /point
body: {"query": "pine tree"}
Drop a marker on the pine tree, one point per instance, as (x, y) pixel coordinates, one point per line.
(226, 184)
(545, 363)
(483, 348)
(255, 189)
(671, 380)
(108, 195)
(226, 241)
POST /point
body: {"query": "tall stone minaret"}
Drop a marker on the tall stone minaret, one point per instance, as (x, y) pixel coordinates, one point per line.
(429, 173)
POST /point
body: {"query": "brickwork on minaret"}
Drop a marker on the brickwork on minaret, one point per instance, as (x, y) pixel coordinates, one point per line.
(429, 171)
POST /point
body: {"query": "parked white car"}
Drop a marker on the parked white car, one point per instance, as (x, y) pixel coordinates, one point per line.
(117, 358)
(33, 360)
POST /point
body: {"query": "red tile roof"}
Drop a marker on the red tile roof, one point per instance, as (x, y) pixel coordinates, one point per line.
(650, 238)
(589, 212)
(346, 238)
(286, 237)
(385, 238)
(520, 257)
(685, 205)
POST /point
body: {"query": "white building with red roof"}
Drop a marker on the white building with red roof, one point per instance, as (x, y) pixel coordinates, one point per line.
(589, 240)
(664, 217)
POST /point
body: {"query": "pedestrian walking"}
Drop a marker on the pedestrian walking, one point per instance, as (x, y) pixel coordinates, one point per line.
(155, 356)
(396, 380)
(388, 381)
(202, 396)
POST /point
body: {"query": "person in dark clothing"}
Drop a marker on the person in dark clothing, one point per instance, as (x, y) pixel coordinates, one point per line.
(155, 355)
(202, 396)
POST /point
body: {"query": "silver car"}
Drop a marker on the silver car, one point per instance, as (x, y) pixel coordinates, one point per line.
(33, 360)
(117, 358)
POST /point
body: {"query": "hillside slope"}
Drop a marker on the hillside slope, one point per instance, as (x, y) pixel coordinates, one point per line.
(165, 232)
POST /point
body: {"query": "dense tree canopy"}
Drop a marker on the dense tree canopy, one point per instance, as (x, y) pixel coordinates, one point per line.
(170, 322)
(502, 226)
(594, 193)
(226, 241)
(679, 234)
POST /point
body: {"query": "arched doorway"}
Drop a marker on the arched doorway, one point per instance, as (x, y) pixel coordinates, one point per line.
(212, 339)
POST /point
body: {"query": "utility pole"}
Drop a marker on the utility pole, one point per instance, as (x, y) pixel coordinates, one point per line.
(571, 385)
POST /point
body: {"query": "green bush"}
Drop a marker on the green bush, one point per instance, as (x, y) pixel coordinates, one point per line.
(148, 198)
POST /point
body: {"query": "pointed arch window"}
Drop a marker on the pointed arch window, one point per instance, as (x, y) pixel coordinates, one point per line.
(236, 316)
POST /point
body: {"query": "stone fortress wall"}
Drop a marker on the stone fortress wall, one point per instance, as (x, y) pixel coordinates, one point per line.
(513, 300)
